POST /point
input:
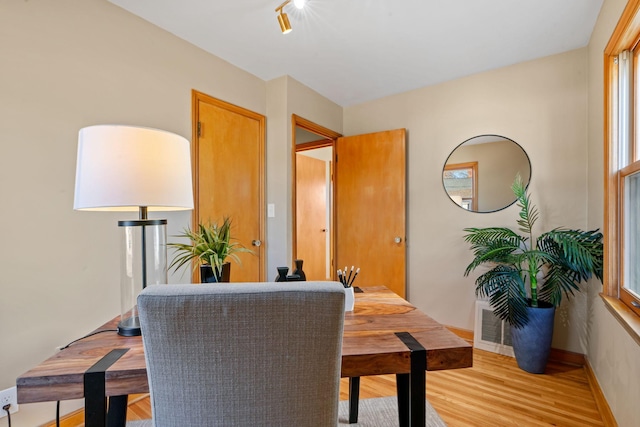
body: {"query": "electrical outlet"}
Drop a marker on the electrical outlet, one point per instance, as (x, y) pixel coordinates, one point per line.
(8, 396)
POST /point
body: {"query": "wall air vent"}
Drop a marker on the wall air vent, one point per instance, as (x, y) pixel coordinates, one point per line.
(491, 333)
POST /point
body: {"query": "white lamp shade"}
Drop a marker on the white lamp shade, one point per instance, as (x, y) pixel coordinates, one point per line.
(121, 168)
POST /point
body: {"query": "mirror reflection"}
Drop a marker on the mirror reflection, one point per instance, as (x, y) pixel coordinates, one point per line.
(478, 173)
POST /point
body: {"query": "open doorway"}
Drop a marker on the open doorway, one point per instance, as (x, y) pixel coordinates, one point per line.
(313, 207)
(366, 199)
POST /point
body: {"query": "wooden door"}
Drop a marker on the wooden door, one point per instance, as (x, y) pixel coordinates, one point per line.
(311, 215)
(370, 208)
(229, 176)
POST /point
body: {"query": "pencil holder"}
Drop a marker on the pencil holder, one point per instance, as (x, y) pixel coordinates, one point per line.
(349, 299)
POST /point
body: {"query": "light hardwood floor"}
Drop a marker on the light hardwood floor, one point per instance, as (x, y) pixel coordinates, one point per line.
(493, 393)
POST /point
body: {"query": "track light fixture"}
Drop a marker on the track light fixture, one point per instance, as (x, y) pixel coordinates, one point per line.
(283, 19)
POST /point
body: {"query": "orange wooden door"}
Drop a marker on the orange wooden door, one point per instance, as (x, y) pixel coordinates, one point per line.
(311, 216)
(370, 208)
(229, 176)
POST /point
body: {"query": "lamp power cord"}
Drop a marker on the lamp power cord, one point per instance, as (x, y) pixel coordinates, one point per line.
(89, 335)
(6, 409)
(67, 346)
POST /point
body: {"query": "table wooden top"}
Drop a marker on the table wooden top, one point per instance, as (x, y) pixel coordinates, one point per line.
(369, 347)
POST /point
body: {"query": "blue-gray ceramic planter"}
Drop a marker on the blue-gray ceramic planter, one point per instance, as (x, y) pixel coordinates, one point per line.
(532, 343)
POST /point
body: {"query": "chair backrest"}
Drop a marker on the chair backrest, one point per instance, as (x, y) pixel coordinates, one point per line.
(243, 354)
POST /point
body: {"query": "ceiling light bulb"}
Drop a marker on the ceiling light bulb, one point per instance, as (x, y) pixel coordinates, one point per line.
(299, 3)
(283, 20)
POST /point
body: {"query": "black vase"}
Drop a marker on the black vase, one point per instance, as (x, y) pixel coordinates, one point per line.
(298, 271)
(282, 274)
(209, 275)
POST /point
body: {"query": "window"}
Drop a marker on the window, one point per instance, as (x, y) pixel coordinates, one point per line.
(461, 183)
(622, 161)
(630, 181)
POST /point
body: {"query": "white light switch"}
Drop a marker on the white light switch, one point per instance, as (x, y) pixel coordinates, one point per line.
(271, 210)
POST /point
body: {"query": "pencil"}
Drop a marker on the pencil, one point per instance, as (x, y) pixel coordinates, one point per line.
(349, 277)
(354, 276)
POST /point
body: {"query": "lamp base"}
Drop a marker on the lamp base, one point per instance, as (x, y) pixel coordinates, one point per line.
(129, 327)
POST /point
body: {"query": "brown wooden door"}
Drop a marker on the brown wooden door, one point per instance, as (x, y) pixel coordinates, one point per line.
(311, 215)
(370, 208)
(229, 176)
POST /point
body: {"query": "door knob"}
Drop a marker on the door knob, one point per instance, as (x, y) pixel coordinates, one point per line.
(256, 242)
(398, 240)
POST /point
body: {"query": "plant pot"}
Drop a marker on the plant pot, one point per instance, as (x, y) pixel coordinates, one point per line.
(207, 274)
(532, 343)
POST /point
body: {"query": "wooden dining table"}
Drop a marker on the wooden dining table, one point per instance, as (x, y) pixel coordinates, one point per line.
(384, 334)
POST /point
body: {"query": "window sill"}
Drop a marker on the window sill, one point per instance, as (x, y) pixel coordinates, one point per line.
(627, 318)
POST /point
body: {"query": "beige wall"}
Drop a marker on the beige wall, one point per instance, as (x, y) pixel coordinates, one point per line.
(73, 63)
(542, 105)
(287, 96)
(539, 104)
(614, 356)
(67, 64)
(278, 177)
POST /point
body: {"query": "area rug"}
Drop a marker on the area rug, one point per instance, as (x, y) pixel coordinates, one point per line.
(382, 412)
(141, 423)
(377, 412)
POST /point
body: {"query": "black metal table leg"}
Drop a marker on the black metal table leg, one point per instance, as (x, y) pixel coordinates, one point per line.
(418, 388)
(354, 396)
(417, 378)
(404, 407)
(95, 400)
(117, 414)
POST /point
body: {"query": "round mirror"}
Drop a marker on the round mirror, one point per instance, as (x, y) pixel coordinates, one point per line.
(478, 173)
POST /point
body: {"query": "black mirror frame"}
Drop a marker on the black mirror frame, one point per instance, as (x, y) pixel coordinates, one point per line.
(470, 139)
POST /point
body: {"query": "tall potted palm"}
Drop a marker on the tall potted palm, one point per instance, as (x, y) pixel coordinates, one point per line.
(211, 245)
(529, 275)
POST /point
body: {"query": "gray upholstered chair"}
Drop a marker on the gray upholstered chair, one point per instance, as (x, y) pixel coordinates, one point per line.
(262, 354)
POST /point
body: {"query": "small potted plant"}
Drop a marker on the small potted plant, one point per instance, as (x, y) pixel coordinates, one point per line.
(211, 245)
(528, 276)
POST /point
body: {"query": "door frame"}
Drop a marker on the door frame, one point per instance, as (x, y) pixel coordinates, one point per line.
(196, 97)
(329, 140)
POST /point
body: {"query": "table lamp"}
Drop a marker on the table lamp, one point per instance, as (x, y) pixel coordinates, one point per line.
(126, 168)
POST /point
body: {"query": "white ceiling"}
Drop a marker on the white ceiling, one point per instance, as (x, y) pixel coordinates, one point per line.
(352, 51)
